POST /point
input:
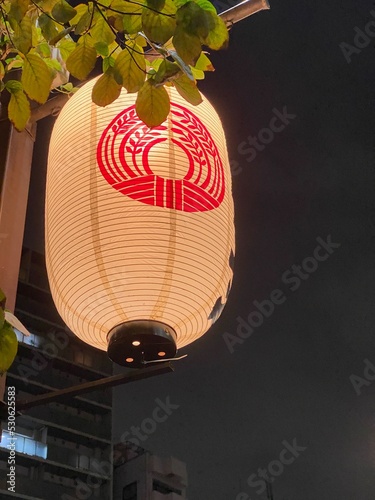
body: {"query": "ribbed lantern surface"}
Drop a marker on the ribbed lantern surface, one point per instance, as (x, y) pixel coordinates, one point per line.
(139, 221)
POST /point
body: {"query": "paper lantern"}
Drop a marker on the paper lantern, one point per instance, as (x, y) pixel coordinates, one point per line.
(139, 225)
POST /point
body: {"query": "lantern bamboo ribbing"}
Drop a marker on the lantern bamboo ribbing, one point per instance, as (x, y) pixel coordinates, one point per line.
(139, 225)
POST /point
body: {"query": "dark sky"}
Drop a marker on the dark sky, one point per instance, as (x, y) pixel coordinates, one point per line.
(290, 380)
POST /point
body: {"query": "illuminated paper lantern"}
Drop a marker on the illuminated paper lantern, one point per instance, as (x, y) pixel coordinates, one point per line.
(139, 225)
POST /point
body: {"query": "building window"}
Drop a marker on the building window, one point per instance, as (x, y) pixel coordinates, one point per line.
(164, 488)
(32, 339)
(130, 492)
(24, 444)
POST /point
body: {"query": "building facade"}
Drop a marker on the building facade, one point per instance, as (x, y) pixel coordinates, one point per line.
(141, 475)
(63, 449)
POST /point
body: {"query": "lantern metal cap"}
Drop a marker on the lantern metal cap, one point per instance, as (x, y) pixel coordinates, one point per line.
(134, 343)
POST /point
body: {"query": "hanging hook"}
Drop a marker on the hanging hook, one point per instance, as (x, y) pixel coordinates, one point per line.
(163, 360)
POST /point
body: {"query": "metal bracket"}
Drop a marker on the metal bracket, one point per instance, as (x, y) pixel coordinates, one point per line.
(243, 10)
(104, 383)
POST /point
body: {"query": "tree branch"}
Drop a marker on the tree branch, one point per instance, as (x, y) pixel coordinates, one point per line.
(7, 29)
(46, 13)
(135, 13)
(96, 4)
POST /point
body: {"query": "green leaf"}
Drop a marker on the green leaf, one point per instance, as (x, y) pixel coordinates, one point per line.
(114, 49)
(198, 74)
(194, 20)
(19, 109)
(36, 37)
(60, 35)
(180, 3)
(84, 22)
(204, 23)
(206, 5)
(140, 40)
(18, 9)
(2, 317)
(46, 5)
(101, 32)
(16, 63)
(156, 4)
(68, 87)
(188, 90)
(48, 27)
(63, 12)
(83, 58)
(155, 63)
(114, 16)
(126, 16)
(53, 64)
(133, 23)
(167, 71)
(204, 63)
(44, 49)
(2, 70)
(101, 48)
(159, 27)
(81, 9)
(13, 86)
(22, 38)
(187, 46)
(66, 47)
(109, 62)
(152, 104)
(106, 89)
(36, 78)
(8, 347)
(218, 36)
(131, 65)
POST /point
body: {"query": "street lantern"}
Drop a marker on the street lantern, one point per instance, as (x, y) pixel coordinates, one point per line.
(139, 225)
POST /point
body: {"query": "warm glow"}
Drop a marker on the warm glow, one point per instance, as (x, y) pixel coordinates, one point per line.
(139, 221)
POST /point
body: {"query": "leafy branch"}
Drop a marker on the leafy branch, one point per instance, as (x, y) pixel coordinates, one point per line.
(143, 44)
(8, 339)
(135, 3)
(39, 8)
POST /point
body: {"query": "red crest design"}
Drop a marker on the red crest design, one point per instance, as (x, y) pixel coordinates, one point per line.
(123, 156)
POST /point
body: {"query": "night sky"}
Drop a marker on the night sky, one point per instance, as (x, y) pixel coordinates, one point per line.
(290, 380)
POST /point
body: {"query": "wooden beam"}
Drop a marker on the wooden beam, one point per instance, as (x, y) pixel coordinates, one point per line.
(51, 107)
(103, 383)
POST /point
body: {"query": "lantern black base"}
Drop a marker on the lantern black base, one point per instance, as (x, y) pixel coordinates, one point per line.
(135, 343)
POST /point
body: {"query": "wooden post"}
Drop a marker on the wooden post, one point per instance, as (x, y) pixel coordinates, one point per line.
(13, 204)
(16, 157)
